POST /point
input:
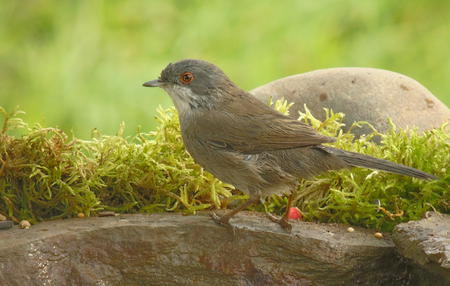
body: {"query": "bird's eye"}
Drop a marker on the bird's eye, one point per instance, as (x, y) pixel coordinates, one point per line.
(186, 77)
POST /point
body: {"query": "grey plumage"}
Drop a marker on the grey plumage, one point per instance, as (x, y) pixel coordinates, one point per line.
(248, 144)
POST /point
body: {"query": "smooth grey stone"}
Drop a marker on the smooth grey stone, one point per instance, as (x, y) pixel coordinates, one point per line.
(363, 94)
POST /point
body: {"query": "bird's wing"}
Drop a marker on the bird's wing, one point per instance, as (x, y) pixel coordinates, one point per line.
(249, 126)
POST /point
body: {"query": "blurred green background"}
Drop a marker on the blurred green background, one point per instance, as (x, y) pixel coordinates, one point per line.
(80, 65)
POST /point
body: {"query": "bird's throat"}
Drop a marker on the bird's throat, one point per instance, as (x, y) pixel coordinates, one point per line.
(187, 101)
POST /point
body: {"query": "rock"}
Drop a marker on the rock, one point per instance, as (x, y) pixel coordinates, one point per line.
(426, 244)
(171, 249)
(366, 94)
(6, 224)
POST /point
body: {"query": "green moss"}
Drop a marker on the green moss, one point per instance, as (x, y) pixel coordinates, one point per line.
(46, 174)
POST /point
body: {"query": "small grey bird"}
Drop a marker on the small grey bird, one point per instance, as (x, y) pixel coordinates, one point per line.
(244, 142)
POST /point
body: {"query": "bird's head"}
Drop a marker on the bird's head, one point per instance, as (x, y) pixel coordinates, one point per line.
(194, 84)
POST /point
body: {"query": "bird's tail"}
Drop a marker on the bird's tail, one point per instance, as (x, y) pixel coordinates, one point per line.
(361, 160)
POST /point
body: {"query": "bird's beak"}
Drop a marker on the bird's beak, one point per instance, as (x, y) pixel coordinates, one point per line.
(154, 83)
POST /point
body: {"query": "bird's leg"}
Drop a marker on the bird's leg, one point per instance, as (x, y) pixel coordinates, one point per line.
(225, 219)
(283, 221)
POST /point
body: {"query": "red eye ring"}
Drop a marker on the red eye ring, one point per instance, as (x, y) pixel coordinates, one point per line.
(186, 77)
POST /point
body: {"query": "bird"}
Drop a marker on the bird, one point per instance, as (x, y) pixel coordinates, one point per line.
(246, 143)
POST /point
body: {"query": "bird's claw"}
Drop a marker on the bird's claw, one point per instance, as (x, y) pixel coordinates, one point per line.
(282, 221)
(223, 221)
(220, 219)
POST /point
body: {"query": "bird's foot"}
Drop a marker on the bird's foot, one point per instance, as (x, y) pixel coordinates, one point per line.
(221, 220)
(282, 221)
